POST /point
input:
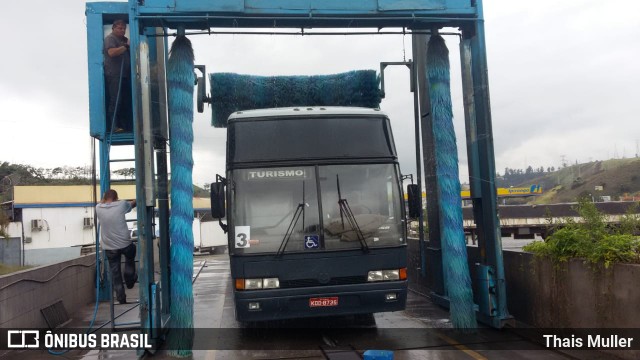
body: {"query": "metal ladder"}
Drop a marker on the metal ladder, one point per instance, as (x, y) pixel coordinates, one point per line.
(105, 183)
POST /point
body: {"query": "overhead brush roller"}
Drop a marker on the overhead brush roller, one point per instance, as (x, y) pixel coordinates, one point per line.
(232, 92)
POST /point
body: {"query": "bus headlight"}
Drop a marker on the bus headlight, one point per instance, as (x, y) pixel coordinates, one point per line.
(252, 284)
(270, 283)
(257, 284)
(387, 275)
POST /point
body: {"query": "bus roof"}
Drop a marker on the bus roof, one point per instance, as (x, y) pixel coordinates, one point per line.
(306, 111)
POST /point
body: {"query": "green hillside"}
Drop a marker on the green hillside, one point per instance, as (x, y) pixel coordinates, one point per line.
(19, 174)
(619, 179)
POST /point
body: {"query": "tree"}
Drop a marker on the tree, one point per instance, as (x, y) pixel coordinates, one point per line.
(4, 223)
(127, 172)
(56, 172)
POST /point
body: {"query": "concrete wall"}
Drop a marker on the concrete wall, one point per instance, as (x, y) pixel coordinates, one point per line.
(38, 257)
(24, 293)
(566, 295)
(543, 294)
(572, 294)
(10, 251)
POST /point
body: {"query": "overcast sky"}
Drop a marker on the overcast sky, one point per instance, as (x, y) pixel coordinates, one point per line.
(562, 80)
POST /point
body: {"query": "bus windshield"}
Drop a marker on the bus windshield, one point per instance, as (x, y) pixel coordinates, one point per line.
(321, 208)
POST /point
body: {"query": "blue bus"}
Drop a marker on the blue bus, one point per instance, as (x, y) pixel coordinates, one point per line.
(314, 212)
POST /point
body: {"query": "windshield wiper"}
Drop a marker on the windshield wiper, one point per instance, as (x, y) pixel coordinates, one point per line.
(292, 225)
(345, 209)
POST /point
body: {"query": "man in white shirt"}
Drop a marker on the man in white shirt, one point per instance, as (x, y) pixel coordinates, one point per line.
(116, 241)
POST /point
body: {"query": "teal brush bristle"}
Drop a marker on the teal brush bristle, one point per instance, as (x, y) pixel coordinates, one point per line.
(234, 92)
(454, 251)
(180, 78)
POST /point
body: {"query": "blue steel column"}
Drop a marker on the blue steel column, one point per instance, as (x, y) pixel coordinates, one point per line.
(97, 111)
(98, 127)
(104, 285)
(482, 170)
(470, 114)
(157, 59)
(416, 114)
(145, 211)
(163, 219)
(97, 124)
(435, 281)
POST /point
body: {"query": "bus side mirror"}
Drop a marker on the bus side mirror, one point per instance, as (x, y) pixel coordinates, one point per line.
(217, 200)
(415, 202)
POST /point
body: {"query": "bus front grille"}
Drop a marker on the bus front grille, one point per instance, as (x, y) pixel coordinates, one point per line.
(344, 280)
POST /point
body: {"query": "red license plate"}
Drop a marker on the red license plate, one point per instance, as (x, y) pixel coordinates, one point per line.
(323, 302)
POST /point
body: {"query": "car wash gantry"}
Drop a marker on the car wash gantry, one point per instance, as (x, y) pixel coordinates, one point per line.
(159, 82)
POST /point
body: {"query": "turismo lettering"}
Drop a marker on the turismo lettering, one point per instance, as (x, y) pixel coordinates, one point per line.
(278, 174)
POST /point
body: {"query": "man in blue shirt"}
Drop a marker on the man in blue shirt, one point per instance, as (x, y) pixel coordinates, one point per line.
(117, 70)
(116, 241)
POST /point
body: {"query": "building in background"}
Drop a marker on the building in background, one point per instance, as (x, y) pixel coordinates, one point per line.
(57, 223)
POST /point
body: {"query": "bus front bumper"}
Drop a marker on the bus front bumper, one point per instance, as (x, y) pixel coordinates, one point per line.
(278, 304)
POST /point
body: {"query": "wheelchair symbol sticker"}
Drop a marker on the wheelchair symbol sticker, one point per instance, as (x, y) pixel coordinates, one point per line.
(311, 242)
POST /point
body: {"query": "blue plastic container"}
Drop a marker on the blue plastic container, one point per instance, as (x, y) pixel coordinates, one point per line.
(378, 355)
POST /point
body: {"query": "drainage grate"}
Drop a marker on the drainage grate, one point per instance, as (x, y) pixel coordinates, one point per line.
(55, 315)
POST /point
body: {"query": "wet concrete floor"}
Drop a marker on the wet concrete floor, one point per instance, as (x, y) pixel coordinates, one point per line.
(422, 331)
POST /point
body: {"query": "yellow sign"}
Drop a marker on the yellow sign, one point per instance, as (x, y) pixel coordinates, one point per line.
(533, 190)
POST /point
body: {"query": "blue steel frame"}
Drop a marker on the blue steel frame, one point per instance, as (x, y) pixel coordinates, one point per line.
(482, 173)
(204, 14)
(154, 306)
